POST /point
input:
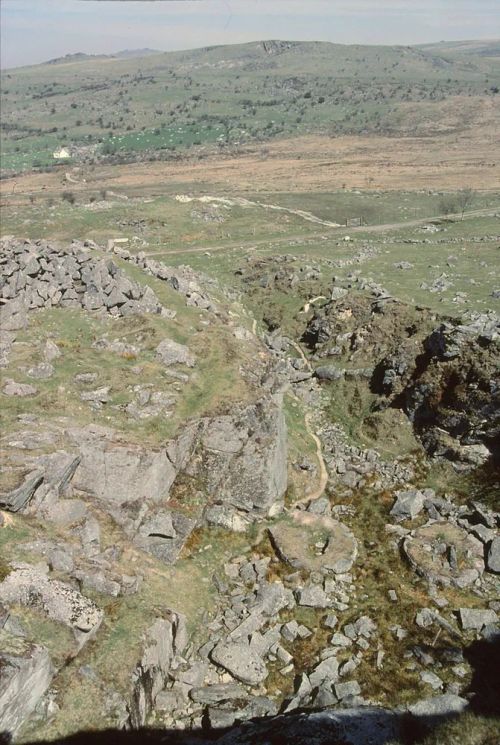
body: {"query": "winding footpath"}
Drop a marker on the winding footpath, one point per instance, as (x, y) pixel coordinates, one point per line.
(323, 473)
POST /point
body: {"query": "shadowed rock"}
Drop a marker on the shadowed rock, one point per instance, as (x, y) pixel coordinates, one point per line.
(18, 498)
(25, 674)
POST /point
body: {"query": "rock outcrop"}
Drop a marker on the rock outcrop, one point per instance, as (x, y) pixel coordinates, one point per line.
(242, 460)
(59, 601)
(443, 373)
(36, 275)
(166, 638)
(184, 280)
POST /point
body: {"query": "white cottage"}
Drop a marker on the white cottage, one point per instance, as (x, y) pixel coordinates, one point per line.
(62, 154)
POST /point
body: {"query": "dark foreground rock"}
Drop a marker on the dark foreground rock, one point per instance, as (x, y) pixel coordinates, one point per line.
(349, 726)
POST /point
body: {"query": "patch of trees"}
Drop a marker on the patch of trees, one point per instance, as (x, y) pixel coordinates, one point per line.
(451, 204)
(68, 196)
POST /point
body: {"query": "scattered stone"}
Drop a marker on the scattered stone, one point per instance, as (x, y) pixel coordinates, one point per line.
(408, 504)
(295, 542)
(424, 618)
(164, 640)
(364, 626)
(158, 525)
(290, 631)
(444, 705)
(220, 516)
(484, 534)
(380, 659)
(99, 396)
(420, 548)
(60, 560)
(340, 640)
(58, 600)
(170, 701)
(67, 278)
(330, 621)
(326, 671)
(98, 582)
(65, 512)
(328, 372)
(243, 458)
(431, 679)
(51, 351)
(214, 694)
(19, 498)
(86, 378)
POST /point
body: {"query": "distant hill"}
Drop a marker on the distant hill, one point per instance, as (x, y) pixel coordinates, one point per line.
(82, 57)
(146, 104)
(484, 48)
(76, 57)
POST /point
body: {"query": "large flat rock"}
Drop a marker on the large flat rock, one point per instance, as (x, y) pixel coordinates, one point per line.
(314, 543)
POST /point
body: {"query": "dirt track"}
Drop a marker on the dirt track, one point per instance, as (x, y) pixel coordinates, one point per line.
(334, 232)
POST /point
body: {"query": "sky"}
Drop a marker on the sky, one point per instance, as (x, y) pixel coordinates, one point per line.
(33, 31)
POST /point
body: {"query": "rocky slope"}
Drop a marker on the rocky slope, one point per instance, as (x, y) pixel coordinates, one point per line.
(200, 579)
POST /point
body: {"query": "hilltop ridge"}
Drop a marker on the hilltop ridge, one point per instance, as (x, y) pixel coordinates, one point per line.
(83, 56)
(126, 107)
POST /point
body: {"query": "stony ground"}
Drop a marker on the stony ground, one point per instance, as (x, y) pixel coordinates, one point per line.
(172, 554)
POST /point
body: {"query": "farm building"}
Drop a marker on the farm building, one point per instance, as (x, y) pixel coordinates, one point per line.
(62, 154)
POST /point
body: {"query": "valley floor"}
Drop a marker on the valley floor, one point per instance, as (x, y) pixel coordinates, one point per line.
(304, 164)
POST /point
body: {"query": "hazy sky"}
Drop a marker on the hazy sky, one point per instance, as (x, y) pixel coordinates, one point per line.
(37, 30)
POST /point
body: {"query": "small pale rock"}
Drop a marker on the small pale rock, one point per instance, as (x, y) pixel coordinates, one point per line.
(11, 388)
(475, 619)
(330, 621)
(51, 351)
(43, 371)
(431, 679)
(408, 504)
(169, 352)
(313, 596)
(439, 706)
